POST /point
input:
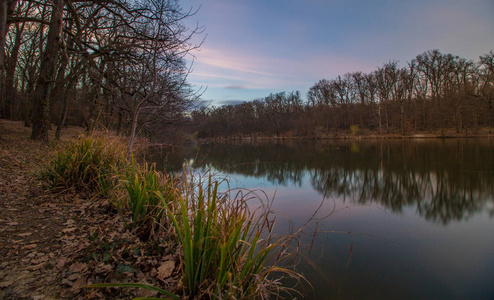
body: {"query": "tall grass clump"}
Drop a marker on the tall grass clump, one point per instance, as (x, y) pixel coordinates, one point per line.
(85, 163)
(144, 185)
(223, 254)
(227, 250)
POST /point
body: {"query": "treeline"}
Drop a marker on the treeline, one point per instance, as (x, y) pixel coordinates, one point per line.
(115, 63)
(434, 91)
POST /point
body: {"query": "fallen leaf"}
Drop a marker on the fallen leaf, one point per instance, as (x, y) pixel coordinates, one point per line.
(66, 237)
(12, 223)
(6, 284)
(68, 230)
(103, 269)
(29, 247)
(73, 277)
(80, 283)
(143, 293)
(167, 257)
(166, 269)
(42, 258)
(77, 267)
(69, 222)
(67, 282)
(61, 262)
(37, 267)
(25, 234)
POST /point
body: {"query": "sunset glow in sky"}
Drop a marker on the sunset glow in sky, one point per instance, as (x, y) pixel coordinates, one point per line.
(257, 47)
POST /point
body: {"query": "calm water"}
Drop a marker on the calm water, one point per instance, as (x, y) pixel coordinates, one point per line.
(399, 219)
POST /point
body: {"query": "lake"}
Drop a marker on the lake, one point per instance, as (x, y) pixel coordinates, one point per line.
(398, 219)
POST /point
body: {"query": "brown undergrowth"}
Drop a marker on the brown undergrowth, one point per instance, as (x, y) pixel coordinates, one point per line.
(53, 245)
(63, 235)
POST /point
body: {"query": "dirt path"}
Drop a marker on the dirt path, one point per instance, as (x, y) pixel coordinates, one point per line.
(53, 245)
(30, 227)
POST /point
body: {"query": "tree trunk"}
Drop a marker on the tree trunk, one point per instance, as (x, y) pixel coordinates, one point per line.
(386, 117)
(65, 109)
(380, 117)
(133, 133)
(40, 101)
(3, 33)
(119, 124)
(6, 9)
(459, 124)
(402, 118)
(11, 65)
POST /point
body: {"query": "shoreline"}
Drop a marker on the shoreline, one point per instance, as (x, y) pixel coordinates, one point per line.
(351, 137)
(55, 244)
(100, 234)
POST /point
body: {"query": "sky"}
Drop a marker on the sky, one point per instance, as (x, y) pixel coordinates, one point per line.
(256, 47)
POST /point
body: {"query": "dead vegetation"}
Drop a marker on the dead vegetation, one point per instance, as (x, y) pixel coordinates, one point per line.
(53, 245)
(60, 236)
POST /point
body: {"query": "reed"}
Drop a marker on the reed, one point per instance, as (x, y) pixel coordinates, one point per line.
(223, 254)
(85, 163)
(227, 251)
(142, 183)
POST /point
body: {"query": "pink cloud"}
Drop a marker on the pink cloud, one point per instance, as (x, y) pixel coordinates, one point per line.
(223, 67)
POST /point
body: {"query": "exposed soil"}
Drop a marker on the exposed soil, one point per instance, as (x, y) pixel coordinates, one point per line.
(52, 245)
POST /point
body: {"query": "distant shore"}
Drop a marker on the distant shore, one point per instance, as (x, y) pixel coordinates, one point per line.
(343, 135)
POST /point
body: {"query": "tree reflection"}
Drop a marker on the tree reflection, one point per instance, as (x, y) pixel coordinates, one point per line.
(445, 180)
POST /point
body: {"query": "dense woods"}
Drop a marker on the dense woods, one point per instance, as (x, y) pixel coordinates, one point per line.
(120, 64)
(116, 64)
(433, 92)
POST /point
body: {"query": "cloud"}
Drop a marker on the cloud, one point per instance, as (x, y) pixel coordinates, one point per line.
(230, 102)
(237, 61)
(241, 71)
(235, 87)
(232, 77)
(233, 68)
(200, 103)
(257, 48)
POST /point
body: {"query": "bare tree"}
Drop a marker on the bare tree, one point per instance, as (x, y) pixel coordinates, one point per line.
(6, 9)
(47, 71)
(484, 88)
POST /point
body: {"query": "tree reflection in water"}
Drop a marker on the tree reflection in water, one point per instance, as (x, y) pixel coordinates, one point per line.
(445, 180)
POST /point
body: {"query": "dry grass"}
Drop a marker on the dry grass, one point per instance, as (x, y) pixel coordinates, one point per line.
(13, 130)
(226, 251)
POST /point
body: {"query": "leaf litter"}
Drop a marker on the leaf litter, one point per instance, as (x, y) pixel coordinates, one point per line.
(53, 245)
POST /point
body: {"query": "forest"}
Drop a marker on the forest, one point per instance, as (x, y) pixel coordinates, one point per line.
(84, 216)
(115, 64)
(122, 65)
(433, 92)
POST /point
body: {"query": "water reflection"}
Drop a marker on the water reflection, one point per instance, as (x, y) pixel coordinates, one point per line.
(444, 180)
(409, 253)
